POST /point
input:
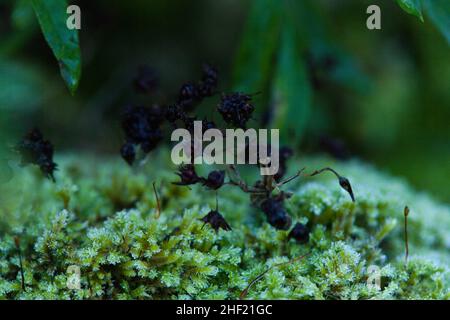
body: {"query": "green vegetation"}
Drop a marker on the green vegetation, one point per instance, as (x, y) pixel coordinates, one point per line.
(101, 216)
(334, 89)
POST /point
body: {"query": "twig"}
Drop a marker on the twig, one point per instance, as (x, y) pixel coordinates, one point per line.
(158, 206)
(323, 170)
(291, 178)
(406, 213)
(245, 291)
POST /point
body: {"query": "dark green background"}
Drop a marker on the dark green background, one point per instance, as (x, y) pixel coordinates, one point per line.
(386, 97)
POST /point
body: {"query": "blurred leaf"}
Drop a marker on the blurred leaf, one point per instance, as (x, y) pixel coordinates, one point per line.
(337, 64)
(22, 15)
(413, 7)
(14, 41)
(23, 86)
(23, 26)
(291, 90)
(254, 62)
(439, 12)
(6, 172)
(308, 19)
(348, 73)
(64, 43)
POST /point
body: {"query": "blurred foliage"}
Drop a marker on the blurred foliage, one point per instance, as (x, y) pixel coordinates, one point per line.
(63, 41)
(330, 84)
(439, 12)
(413, 7)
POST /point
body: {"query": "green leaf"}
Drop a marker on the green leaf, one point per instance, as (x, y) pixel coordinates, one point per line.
(413, 7)
(439, 12)
(254, 62)
(291, 90)
(64, 42)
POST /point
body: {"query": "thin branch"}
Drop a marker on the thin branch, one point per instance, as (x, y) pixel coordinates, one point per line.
(291, 178)
(323, 170)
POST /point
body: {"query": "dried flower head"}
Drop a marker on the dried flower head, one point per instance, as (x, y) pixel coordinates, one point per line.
(276, 213)
(128, 152)
(343, 182)
(215, 180)
(188, 175)
(141, 127)
(216, 221)
(34, 149)
(236, 109)
(208, 84)
(300, 233)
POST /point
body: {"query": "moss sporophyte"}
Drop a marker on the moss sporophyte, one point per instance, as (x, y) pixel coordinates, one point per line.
(211, 234)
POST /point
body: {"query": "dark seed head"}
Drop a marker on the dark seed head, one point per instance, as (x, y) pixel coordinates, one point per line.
(139, 123)
(209, 81)
(286, 153)
(189, 94)
(236, 109)
(34, 149)
(215, 180)
(188, 91)
(206, 124)
(141, 127)
(345, 184)
(406, 211)
(209, 74)
(188, 175)
(276, 214)
(216, 221)
(174, 113)
(300, 233)
(128, 153)
(189, 123)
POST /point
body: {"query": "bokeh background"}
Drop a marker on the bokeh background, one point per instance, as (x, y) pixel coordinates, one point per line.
(382, 96)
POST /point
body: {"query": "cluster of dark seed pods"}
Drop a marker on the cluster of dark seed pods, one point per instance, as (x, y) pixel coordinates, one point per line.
(34, 149)
(143, 129)
(189, 176)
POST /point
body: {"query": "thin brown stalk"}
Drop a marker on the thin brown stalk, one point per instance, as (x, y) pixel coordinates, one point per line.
(158, 205)
(406, 213)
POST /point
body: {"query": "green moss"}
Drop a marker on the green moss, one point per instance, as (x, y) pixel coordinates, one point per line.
(101, 217)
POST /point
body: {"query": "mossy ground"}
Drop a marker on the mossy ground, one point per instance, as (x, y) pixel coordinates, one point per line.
(100, 215)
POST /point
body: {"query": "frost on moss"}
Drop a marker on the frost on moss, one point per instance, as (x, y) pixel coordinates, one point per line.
(101, 217)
